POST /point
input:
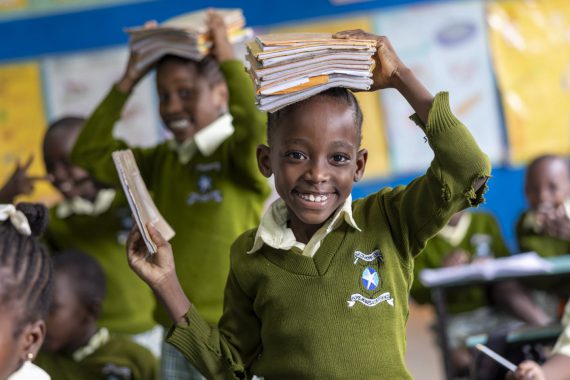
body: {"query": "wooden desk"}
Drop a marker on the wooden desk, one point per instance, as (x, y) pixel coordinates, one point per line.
(558, 278)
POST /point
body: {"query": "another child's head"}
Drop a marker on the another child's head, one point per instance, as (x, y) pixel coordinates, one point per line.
(547, 182)
(71, 180)
(191, 94)
(25, 287)
(79, 290)
(314, 153)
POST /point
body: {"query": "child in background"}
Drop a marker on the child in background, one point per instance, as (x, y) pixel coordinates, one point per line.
(558, 365)
(205, 182)
(94, 219)
(75, 347)
(470, 237)
(320, 288)
(25, 289)
(545, 227)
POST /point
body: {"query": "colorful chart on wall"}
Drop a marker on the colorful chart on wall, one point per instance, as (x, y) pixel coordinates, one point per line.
(22, 124)
(373, 136)
(12, 5)
(531, 52)
(76, 84)
(447, 52)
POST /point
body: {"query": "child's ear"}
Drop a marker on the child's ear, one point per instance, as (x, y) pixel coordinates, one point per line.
(221, 96)
(32, 339)
(361, 158)
(263, 160)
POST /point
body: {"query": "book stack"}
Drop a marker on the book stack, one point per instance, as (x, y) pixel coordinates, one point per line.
(185, 36)
(287, 68)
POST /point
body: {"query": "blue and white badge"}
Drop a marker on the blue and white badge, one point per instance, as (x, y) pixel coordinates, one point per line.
(370, 279)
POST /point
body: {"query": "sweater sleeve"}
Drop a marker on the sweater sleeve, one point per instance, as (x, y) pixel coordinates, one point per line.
(416, 212)
(95, 143)
(225, 351)
(249, 122)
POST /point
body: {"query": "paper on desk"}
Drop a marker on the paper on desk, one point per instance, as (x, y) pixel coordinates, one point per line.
(521, 264)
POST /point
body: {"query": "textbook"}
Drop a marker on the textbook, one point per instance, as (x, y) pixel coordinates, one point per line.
(143, 208)
(516, 265)
(287, 68)
(186, 36)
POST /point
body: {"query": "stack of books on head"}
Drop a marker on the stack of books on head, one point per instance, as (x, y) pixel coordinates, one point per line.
(185, 36)
(287, 68)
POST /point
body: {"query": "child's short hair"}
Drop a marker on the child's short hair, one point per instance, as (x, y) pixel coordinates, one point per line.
(26, 267)
(85, 274)
(208, 67)
(544, 158)
(66, 122)
(342, 95)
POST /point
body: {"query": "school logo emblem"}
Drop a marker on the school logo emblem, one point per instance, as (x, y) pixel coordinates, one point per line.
(370, 281)
(206, 191)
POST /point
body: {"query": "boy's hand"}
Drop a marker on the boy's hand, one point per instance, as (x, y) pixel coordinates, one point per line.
(456, 258)
(133, 74)
(222, 48)
(152, 269)
(388, 64)
(555, 222)
(19, 182)
(527, 370)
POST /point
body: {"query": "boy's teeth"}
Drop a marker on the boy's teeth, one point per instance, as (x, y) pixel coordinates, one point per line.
(313, 198)
(179, 124)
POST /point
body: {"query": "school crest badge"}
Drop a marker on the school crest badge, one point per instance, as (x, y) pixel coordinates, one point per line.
(370, 280)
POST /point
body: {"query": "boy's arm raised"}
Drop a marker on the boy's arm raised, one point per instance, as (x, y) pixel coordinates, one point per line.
(459, 171)
(216, 351)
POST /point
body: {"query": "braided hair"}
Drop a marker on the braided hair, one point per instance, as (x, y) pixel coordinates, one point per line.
(25, 267)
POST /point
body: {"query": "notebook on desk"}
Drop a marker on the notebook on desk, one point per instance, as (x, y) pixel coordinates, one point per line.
(522, 264)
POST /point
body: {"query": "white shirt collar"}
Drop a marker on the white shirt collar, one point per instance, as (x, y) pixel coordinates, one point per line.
(274, 232)
(80, 206)
(206, 140)
(98, 340)
(455, 234)
(29, 371)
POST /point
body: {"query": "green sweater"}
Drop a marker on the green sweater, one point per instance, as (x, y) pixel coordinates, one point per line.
(208, 202)
(544, 245)
(464, 299)
(129, 304)
(118, 359)
(341, 314)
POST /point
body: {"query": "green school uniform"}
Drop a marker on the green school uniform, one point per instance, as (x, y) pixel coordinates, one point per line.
(481, 227)
(529, 239)
(118, 359)
(342, 313)
(208, 201)
(129, 304)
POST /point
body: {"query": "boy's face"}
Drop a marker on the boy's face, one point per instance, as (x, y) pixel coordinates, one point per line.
(315, 159)
(188, 102)
(71, 180)
(547, 184)
(68, 318)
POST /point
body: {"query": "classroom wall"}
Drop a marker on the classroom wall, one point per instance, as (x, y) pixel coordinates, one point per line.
(40, 37)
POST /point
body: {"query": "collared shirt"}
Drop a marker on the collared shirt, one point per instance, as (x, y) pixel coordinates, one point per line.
(274, 232)
(79, 206)
(206, 140)
(29, 371)
(100, 338)
(455, 234)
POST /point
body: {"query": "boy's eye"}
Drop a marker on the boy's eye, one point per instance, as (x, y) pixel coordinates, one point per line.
(184, 93)
(296, 155)
(340, 158)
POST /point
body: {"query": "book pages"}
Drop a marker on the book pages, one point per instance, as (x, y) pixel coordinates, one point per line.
(142, 206)
(287, 68)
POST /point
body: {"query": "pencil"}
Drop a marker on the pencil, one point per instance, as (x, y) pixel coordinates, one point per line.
(496, 357)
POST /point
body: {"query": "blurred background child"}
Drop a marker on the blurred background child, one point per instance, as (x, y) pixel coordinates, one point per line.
(75, 347)
(95, 219)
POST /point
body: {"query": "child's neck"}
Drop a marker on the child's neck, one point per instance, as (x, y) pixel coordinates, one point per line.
(83, 340)
(303, 232)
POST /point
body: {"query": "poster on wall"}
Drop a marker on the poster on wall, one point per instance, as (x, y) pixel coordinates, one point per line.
(373, 135)
(22, 125)
(12, 5)
(76, 84)
(447, 53)
(530, 43)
